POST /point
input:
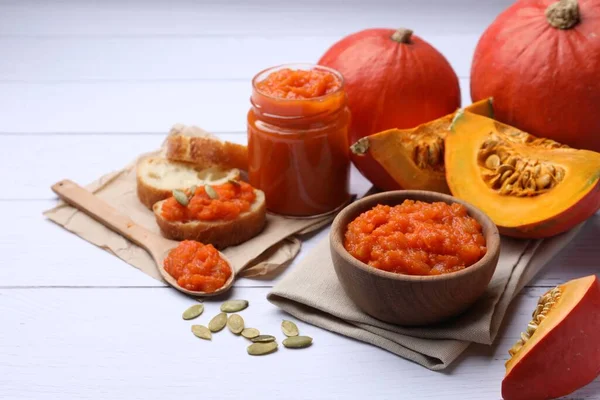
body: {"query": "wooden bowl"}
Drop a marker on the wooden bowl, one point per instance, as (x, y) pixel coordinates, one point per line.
(409, 299)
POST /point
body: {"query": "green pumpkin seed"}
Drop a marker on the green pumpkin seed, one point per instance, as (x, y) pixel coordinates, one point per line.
(250, 333)
(211, 192)
(235, 323)
(232, 306)
(218, 322)
(297, 342)
(263, 339)
(193, 191)
(289, 328)
(259, 349)
(181, 197)
(193, 312)
(202, 332)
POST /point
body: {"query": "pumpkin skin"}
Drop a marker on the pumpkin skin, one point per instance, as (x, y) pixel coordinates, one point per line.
(544, 80)
(398, 82)
(563, 353)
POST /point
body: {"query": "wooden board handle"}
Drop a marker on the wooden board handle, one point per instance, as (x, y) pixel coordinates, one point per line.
(96, 208)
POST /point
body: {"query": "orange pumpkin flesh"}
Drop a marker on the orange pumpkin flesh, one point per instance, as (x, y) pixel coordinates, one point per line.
(414, 157)
(560, 190)
(562, 353)
(393, 80)
(540, 60)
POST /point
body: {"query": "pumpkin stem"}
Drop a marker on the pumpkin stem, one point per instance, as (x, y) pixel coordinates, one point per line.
(361, 147)
(563, 14)
(402, 35)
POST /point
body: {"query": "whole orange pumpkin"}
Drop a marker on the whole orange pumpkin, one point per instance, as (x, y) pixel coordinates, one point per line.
(540, 61)
(393, 80)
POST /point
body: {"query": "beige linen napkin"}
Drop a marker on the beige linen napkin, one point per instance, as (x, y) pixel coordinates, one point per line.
(262, 255)
(311, 292)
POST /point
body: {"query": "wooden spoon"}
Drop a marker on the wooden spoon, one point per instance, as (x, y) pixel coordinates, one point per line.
(157, 246)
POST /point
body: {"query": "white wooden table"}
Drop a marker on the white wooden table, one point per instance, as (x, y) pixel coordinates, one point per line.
(84, 88)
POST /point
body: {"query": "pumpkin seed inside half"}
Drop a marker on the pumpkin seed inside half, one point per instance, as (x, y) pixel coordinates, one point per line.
(297, 342)
(180, 197)
(232, 306)
(289, 328)
(193, 312)
(263, 339)
(250, 333)
(259, 349)
(218, 322)
(202, 332)
(235, 323)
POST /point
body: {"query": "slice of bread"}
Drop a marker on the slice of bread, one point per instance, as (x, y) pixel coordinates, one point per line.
(220, 234)
(194, 145)
(158, 177)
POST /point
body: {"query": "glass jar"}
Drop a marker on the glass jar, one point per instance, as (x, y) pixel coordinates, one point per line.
(298, 148)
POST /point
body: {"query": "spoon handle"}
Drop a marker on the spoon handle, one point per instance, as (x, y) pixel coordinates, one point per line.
(96, 208)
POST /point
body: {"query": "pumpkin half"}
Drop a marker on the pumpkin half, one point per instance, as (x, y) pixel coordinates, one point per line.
(560, 351)
(414, 158)
(530, 187)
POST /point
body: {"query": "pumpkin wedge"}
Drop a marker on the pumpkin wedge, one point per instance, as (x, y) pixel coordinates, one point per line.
(530, 187)
(560, 351)
(414, 158)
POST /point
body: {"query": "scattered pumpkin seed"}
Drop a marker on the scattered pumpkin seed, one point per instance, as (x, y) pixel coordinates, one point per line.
(232, 306)
(211, 192)
(259, 349)
(235, 323)
(218, 322)
(181, 197)
(193, 191)
(202, 332)
(250, 333)
(193, 312)
(289, 328)
(297, 342)
(263, 339)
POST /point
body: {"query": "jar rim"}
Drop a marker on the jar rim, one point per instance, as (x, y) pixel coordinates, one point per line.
(298, 66)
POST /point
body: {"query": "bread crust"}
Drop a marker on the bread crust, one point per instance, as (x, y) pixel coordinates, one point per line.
(207, 151)
(220, 234)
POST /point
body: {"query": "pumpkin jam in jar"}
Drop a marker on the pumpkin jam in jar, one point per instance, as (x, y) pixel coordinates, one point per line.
(197, 266)
(227, 202)
(416, 238)
(298, 139)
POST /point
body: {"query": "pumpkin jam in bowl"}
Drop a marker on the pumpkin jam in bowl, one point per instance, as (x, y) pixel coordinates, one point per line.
(413, 257)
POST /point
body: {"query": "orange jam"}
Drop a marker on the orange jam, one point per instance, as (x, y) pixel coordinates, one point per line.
(197, 266)
(298, 146)
(416, 238)
(299, 84)
(232, 199)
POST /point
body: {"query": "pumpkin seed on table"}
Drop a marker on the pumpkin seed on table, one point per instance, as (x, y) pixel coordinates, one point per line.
(263, 339)
(289, 328)
(259, 349)
(297, 342)
(232, 306)
(202, 332)
(235, 323)
(218, 322)
(250, 333)
(181, 197)
(193, 312)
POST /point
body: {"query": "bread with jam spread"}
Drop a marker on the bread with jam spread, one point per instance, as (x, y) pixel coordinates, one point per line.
(184, 222)
(157, 178)
(194, 145)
